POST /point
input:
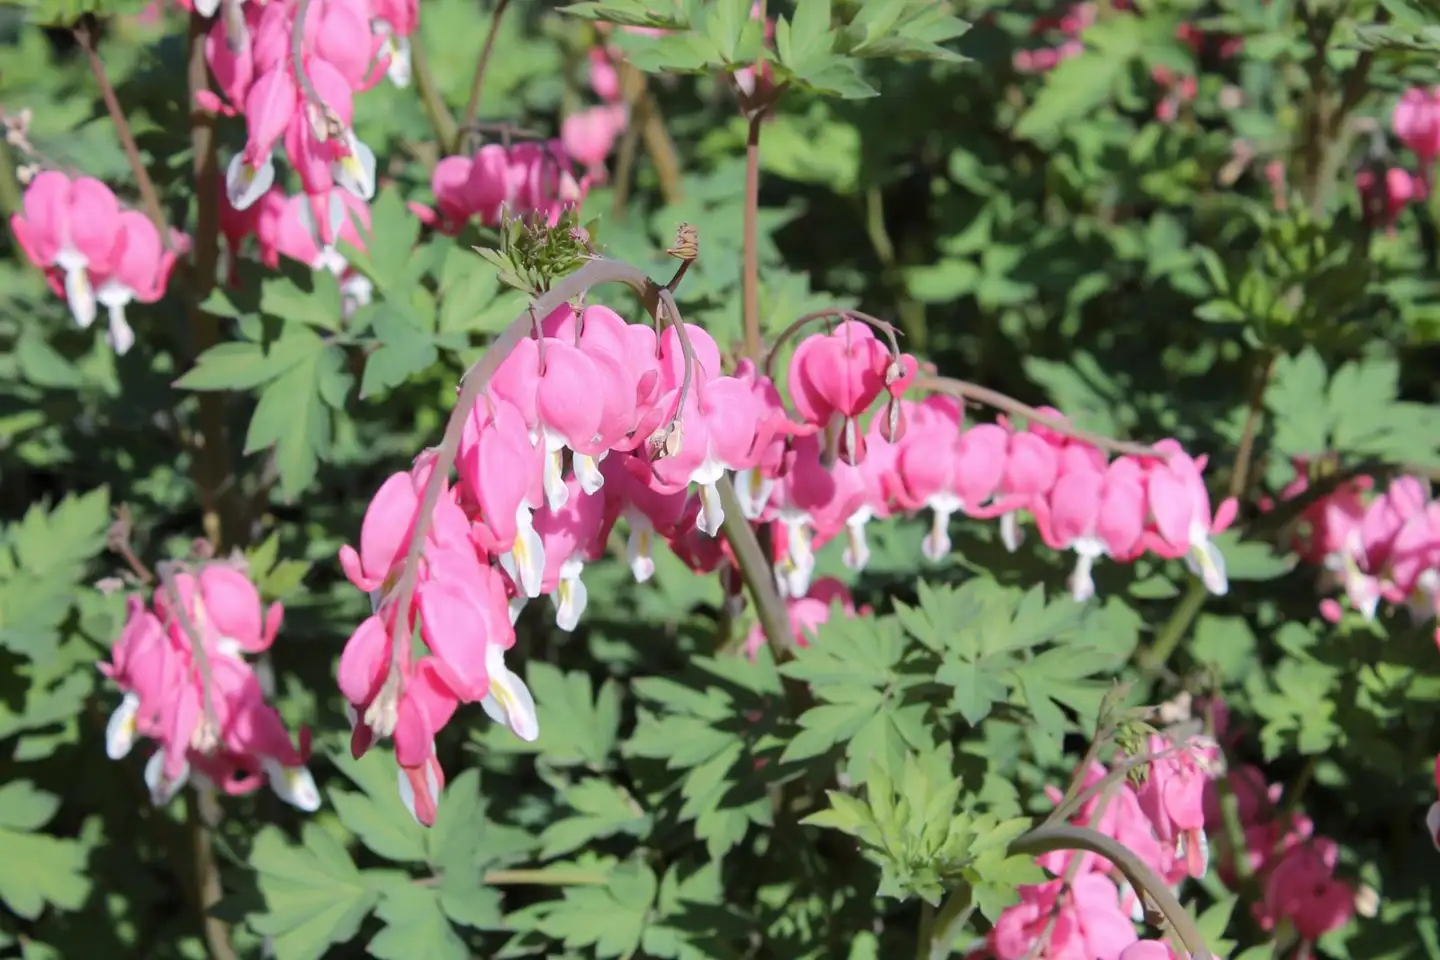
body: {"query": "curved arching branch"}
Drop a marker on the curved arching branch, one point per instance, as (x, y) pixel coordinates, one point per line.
(1048, 838)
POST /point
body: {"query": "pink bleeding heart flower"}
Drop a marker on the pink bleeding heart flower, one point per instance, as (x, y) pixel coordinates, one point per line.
(423, 709)
(309, 227)
(834, 378)
(323, 160)
(271, 213)
(572, 536)
(1180, 506)
(489, 187)
(1384, 196)
(1302, 889)
(807, 489)
(1149, 950)
(453, 597)
(773, 428)
(846, 511)
(1083, 920)
(385, 534)
(228, 612)
(74, 229)
(1173, 796)
(463, 612)
(1414, 568)
(339, 33)
(880, 466)
(272, 37)
(717, 434)
(1031, 466)
(1122, 818)
(604, 77)
(649, 512)
(980, 466)
(1416, 121)
(394, 21)
(140, 272)
(926, 469)
(500, 468)
(553, 385)
(235, 227)
(230, 54)
(537, 180)
(589, 136)
(1095, 513)
(619, 416)
(270, 108)
(450, 182)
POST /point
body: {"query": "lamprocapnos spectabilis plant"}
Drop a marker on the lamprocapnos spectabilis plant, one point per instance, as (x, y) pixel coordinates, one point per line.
(592, 367)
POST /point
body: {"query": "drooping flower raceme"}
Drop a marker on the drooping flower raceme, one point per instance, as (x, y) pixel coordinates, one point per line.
(1372, 547)
(180, 664)
(590, 421)
(305, 101)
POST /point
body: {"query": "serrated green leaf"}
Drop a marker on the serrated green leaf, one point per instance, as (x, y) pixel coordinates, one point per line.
(387, 835)
(291, 418)
(311, 297)
(24, 808)
(37, 869)
(405, 350)
(244, 365)
(602, 810)
(314, 895)
(415, 926)
(610, 920)
(377, 814)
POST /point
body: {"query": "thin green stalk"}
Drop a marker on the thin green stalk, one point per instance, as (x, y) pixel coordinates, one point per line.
(912, 312)
(545, 878)
(955, 913)
(477, 82)
(150, 199)
(442, 121)
(224, 519)
(750, 277)
(759, 579)
(1152, 661)
(926, 934)
(207, 875)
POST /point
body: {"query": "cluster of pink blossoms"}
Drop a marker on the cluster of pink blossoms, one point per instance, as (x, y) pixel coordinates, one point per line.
(1161, 821)
(205, 708)
(592, 420)
(303, 95)
(1295, 868)
(1164, 821)
(1385, 193)
(306, 228)
(93, 250)
(532, 179)
(1373, 546)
